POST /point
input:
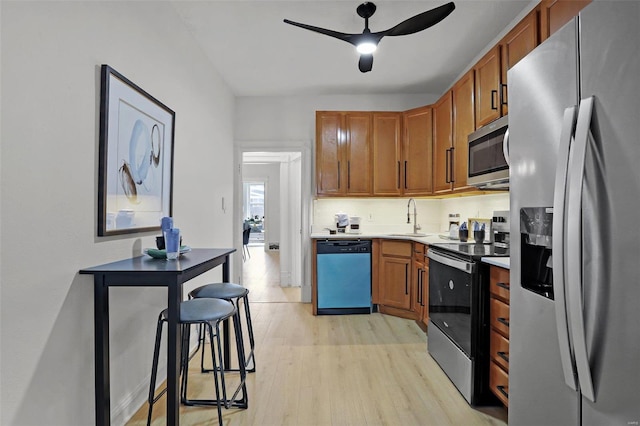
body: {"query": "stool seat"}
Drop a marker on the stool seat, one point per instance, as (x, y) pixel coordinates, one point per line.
(233, 293)
(208, 313)
(219, 291)
(202, 310)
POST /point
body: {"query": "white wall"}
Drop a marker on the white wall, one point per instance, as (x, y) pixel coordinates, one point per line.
(293, 118)
(51, 53)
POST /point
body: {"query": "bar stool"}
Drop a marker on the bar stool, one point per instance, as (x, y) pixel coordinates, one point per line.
(233, 293)
(208, 313)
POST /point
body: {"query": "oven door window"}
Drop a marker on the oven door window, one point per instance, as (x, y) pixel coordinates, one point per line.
(450, 303)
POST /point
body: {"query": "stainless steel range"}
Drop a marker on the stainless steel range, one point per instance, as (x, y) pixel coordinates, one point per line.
(459, 315)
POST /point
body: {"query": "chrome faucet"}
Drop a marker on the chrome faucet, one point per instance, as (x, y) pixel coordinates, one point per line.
(416, 227)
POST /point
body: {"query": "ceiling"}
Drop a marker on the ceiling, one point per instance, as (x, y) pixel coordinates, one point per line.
(257, 54)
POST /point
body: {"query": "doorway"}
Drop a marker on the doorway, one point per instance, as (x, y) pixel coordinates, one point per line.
(272, 208)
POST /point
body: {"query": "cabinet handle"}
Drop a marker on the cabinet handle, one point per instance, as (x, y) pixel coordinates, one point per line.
(504, 321)
(494, 95)
(503, 94)
(502, 391)
(504, 356)
(422, 287)
(338, 174)
(405, 174)
(446, 166)
(503, 285)
(398, 175)
(406, 279)
(348, 174)
(452, 168)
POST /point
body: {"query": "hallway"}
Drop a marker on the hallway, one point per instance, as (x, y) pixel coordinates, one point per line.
(261, 275)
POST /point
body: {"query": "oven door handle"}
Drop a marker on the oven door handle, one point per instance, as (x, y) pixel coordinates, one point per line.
(468, 267)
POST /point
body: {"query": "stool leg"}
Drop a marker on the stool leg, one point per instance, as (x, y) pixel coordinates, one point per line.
(244, 401)
(154, 369)
(215, 372)
(251, 357)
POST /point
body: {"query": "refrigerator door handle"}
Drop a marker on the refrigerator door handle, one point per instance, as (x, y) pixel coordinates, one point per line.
(574, 247)
(558, 247)
(505, 147)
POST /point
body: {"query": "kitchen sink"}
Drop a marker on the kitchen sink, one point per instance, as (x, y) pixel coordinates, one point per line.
(409, 234)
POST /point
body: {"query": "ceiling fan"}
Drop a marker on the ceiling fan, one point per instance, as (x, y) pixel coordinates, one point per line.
(367, 42)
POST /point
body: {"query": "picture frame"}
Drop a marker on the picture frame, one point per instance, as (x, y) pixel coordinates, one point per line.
(135, 172)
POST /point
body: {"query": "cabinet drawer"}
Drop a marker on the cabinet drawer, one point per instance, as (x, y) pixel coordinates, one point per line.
(500, 316)
(499, 383)
(499, 349)
(396, 248)
(499, 282)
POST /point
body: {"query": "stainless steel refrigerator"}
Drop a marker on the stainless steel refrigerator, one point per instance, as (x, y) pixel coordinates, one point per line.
(574, 124)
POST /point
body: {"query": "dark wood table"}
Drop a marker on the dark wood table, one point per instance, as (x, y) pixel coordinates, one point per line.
(144, 271)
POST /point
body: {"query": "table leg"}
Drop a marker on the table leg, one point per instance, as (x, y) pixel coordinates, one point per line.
(174, 340)
(225, 323)
(101, 350)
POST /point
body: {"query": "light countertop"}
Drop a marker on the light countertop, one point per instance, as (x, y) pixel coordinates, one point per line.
(430, 238)
(503, 262)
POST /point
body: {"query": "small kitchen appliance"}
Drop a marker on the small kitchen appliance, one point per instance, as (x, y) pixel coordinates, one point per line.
(500, 228)
(354, 224)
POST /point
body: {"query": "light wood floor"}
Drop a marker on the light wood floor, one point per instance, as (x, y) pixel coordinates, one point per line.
(333, 370)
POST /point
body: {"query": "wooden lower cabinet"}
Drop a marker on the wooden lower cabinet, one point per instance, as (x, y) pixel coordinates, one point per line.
(421, 285)
(499, 333)
(395, 284)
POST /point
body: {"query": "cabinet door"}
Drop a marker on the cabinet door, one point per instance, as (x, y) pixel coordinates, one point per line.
(521, 40)
(358, 153)
(442, 144)
(555, 13)
(395, 282)
(329, 153)
(421, 292)
(386, 153)
(417, 151)
(488, 87)
(463, 124)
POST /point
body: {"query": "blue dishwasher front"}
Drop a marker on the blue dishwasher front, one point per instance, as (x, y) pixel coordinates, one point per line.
(343, 277)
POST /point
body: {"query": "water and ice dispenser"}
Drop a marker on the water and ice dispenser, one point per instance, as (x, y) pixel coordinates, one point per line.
(536, 269)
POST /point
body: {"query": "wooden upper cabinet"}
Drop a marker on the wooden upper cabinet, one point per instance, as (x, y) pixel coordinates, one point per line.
(386, 153)
(521, 40)
(343, 154)
(329, 153)
(464, 123)
(555, 13)
(442, 144)
(417, 151)
(487, 79)
(358, 153)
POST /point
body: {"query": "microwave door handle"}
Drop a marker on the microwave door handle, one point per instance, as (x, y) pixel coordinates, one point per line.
(574, 264)
(558, 247)
(505, 146)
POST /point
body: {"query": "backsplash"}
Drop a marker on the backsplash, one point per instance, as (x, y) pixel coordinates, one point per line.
(382, 214)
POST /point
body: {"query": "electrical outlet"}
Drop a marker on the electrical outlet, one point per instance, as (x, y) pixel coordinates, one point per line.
(370, 217)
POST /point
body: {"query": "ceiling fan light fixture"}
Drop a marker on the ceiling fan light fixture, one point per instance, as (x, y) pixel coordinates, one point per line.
(366, 47)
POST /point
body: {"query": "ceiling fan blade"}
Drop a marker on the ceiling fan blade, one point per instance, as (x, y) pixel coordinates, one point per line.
(365, 63)
(349, 38)
(421, 21)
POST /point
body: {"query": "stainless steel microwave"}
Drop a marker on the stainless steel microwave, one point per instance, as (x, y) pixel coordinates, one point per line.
(488, 165)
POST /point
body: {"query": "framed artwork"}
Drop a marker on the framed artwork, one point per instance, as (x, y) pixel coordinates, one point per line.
(135, 175)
